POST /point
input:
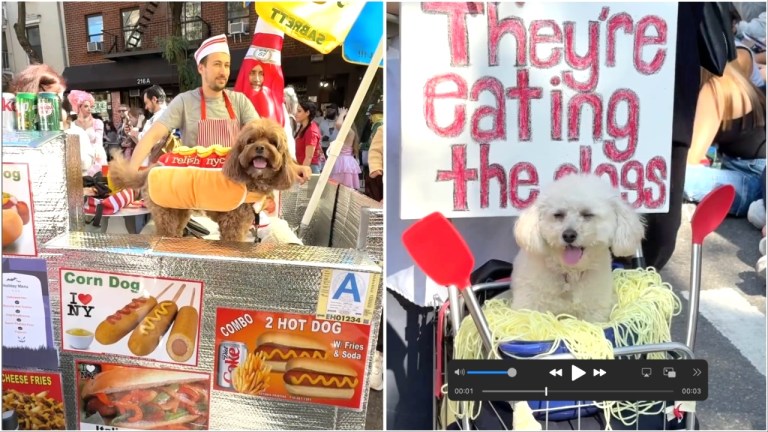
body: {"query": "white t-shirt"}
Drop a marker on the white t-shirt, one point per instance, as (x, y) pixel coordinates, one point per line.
(327, 129)
(92, 157)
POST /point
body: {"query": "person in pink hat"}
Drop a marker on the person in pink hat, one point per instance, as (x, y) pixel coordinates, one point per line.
(82, 103)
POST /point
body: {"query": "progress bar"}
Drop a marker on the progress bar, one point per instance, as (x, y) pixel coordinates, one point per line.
(622, 380)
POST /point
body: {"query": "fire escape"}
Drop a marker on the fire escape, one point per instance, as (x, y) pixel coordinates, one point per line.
(133, 39)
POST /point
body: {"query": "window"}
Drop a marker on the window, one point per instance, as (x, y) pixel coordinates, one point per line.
(130, 21)
(191, 23)
(236, 13)
(33, 34)
(95, 28)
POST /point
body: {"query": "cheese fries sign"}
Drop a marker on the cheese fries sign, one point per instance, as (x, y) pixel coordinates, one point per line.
(290, 356)
(128, 315)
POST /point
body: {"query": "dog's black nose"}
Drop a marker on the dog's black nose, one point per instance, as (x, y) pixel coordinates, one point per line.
(260, 149)
(569, 236)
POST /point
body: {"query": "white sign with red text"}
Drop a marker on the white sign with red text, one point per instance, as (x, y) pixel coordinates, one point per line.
(509, 97)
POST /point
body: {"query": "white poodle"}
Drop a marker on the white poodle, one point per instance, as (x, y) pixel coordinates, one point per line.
(566, 238)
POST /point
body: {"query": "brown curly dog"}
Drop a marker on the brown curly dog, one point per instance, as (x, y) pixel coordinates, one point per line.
(258, 163)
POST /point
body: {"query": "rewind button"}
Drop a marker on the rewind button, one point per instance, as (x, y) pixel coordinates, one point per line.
(556, 372)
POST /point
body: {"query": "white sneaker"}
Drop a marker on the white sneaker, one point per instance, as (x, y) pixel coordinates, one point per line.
(760, 267)
(377, 372)
(756, 214)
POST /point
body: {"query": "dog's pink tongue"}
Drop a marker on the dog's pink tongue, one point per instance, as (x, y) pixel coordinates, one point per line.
(259, 162)
(572, 255)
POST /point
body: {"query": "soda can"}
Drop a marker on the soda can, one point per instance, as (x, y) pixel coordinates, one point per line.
(230, 354)
(48, 111)
(26, 115)
(9, 112)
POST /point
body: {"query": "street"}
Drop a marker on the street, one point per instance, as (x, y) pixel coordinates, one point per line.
(731, 332)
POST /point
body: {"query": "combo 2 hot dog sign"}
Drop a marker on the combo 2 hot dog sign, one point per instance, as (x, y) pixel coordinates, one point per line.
(129, 315)
(504, 98)
(291, 356)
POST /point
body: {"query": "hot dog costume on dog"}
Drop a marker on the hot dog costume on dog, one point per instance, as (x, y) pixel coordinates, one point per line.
(191, 178)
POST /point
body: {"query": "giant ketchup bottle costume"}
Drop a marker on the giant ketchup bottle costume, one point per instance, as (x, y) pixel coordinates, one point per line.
(264, 51)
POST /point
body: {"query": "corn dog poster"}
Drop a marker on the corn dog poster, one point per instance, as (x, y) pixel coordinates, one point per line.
(511, 96)
(36, 398)
(18, 223)
(292, 357)
(129, 315)
(116, 397)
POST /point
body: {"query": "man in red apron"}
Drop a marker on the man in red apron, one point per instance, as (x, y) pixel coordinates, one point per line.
(207, 115)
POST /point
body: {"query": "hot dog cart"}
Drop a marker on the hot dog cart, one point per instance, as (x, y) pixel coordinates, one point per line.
(187, 333)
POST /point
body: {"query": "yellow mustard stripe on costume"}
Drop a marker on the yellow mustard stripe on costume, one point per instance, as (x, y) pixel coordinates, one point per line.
(642, 316)
(195, 188)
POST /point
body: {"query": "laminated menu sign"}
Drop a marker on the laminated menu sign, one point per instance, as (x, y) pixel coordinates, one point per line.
(151, 318)
(290, 356)
(27, 334)
(18, 220)
(36, 397)
(116, 397)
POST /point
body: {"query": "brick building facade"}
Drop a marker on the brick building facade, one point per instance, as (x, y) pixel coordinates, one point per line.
(109, 58)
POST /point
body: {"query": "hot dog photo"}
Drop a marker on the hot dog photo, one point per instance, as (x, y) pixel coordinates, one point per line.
(293, 357)
(134, 316)
(123, 397)
(18, 223)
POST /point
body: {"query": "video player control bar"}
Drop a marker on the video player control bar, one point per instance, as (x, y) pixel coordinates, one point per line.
(628, 380)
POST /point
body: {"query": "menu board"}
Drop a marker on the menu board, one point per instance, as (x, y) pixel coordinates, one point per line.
(36, 397)
(145, 317)
(291, 356)
(116, 397)
(18, 211)
(27, 334)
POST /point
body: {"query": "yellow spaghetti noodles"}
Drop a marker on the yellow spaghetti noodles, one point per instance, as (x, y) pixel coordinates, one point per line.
(643, 315)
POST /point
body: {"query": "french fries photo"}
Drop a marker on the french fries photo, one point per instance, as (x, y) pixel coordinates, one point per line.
(35, 411)
(252, 376)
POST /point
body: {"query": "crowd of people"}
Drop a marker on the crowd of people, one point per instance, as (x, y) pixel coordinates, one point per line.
(358, 165)
(728, 142)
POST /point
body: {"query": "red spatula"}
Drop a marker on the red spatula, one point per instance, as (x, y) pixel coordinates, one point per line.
(709, 214)
(442, 254)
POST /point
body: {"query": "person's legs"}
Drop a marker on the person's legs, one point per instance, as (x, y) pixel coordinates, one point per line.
(661, 228)
(376, 188)
(315, 169)
(742, 174)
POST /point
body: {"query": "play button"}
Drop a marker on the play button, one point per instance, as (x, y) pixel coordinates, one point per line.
(576, 373)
